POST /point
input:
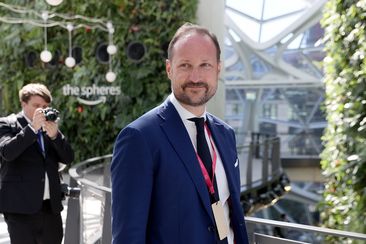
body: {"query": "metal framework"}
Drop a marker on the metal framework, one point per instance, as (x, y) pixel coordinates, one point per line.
(273, 78)
(273, 71)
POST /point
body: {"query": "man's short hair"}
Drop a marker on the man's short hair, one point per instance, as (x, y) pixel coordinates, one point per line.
(188, 28)
(34, 89)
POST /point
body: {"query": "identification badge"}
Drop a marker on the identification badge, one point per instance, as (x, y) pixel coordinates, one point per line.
(218, 212)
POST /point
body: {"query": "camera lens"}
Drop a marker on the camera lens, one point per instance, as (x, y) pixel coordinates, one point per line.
(50, 114)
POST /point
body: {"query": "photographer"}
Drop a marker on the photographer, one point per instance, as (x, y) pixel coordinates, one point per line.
(31, 148)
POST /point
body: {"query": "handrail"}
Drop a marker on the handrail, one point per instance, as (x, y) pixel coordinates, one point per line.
(74, 173)
(310, 228)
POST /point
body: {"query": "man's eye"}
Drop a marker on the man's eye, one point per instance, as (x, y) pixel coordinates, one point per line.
(184, 66)
(206, 65)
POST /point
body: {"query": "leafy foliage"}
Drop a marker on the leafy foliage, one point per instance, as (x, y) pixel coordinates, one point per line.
(92, 129)
(344, 156)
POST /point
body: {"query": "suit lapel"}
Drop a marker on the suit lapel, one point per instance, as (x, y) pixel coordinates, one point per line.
(177, 135)
(218, 134)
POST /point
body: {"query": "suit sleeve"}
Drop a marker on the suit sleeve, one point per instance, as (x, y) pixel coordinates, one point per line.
(132, 183)
(12, 145)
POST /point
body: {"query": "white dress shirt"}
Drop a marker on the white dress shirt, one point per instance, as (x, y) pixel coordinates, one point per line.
(222, 185)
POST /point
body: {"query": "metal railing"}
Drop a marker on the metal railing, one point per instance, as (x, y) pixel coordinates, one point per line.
(266, 239)
(89, 216)
(262, 175)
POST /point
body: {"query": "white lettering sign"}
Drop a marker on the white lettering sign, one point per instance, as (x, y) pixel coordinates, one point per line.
(87, 91)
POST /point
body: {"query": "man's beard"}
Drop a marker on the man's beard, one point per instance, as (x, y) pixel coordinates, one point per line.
(183, 98)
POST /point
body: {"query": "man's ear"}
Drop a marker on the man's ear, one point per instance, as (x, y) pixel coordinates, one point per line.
(168, 67)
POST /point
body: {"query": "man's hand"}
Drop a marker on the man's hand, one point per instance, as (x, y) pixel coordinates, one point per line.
(51, 128)
(38, 119)
(40, 122)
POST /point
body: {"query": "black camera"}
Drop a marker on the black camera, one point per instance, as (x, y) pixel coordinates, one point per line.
(51, 114)
(67, 191)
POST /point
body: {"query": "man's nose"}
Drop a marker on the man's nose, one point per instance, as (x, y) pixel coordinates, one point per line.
(195, 75)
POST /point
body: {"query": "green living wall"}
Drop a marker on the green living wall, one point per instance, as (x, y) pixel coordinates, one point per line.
(344, 156)
(143, 83)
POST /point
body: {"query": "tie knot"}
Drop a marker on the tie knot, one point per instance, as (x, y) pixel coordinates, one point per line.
(199, 121)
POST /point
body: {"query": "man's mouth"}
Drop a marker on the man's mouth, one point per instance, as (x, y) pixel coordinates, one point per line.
(195, 85)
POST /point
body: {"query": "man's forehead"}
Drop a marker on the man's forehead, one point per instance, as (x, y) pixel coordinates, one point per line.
(192, 37)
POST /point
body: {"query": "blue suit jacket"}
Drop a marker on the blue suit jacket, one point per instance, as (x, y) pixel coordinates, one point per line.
(158, 192)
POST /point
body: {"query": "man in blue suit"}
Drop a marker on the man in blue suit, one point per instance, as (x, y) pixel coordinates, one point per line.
(162, 190)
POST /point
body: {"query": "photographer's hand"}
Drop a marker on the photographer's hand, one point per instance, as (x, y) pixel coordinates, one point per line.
(38, 119)
(51, 128)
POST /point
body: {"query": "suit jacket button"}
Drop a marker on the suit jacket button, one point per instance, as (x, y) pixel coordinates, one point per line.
(211, 228)
(42, 180)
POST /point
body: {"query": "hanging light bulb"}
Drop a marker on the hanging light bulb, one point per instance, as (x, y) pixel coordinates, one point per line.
(70, 60)
(46, 55)
(54, 2)
(110, 27)
(112, 49)
(110, 76)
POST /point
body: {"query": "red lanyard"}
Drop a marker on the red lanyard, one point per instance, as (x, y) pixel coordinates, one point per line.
(208, 180)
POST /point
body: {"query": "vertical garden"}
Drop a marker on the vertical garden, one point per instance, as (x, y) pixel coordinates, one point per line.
(140, 81)
(344, 157)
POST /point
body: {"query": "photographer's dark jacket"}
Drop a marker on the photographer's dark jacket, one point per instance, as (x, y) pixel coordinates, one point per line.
(23, 167)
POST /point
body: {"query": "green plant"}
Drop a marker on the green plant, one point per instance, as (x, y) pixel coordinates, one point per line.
(344, 156)
(92, 129)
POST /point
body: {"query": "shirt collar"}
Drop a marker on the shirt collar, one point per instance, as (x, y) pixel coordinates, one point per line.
(183, 112)
(25, 116)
